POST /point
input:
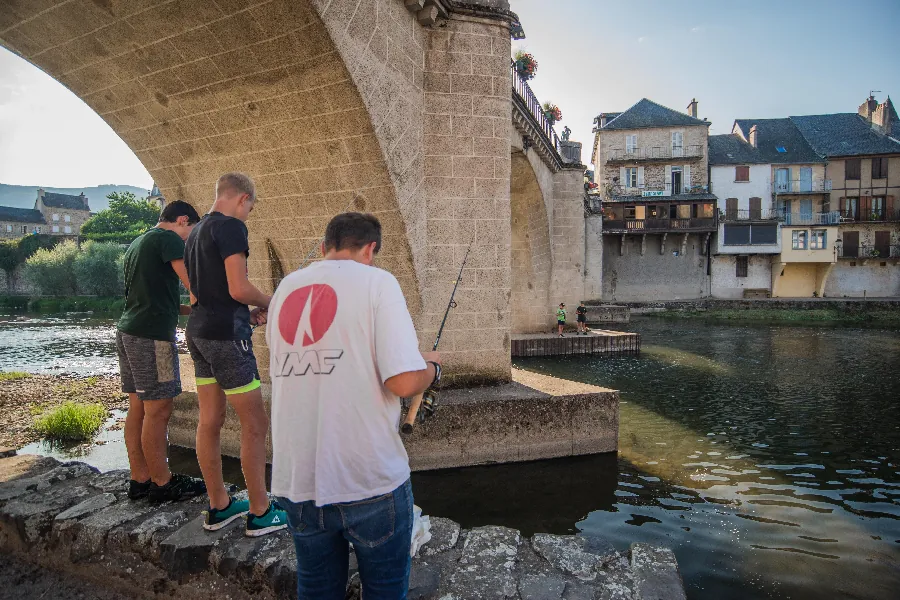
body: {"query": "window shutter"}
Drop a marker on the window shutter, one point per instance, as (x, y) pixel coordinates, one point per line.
(668, 181)
(622, 180)
(686, 178)
(889, 207)
(865, 208)
(640, 177)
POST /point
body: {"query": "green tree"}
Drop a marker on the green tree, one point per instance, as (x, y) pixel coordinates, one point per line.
(126, 218)
(13, 253)
(96, 269)
(51, 271)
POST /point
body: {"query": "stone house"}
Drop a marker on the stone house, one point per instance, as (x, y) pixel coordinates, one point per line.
(863, 165)
(54, 214)
(658, 215)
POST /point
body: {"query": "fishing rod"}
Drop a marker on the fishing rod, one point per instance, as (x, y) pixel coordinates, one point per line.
(427, 399)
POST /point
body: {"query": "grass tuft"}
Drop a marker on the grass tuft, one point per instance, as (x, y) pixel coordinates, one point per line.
(71, 421)
(13, 375)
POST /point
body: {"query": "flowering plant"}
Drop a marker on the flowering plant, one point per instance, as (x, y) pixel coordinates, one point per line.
(552, 112)
(526, 66)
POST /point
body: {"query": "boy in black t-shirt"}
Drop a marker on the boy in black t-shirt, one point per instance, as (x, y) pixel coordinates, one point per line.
(581, 313)
(218, 336)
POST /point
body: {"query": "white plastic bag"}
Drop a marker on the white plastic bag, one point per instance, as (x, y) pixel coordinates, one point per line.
(421, 531)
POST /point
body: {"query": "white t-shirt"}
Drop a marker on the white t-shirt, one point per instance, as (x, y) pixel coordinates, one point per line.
(337, 330)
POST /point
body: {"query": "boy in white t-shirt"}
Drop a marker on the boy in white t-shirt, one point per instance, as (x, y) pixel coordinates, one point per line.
(343, 351)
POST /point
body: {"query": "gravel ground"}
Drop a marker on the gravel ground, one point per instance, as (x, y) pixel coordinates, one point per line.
(20, 581)
(21, 399)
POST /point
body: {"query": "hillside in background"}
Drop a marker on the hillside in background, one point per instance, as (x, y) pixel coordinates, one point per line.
(23, 196)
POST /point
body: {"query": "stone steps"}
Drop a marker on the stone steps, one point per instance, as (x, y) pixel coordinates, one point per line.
(70, 518)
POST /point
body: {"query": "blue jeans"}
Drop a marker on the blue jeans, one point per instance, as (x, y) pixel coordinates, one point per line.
(381, 531)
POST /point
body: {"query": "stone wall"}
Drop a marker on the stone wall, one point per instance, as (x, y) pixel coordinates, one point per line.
(870, 278)
(593, 257)
(630, 275)
(568, 235)
(726, 283)
(69, 518)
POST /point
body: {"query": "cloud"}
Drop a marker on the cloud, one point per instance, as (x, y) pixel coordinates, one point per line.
(697, 29)
(641, 39)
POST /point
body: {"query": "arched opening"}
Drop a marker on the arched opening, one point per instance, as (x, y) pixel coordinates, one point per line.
(531, 259)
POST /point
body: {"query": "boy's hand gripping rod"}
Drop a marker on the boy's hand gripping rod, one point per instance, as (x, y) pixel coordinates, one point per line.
(428, 398)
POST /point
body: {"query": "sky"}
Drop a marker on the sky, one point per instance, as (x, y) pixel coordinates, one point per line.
(739, 59)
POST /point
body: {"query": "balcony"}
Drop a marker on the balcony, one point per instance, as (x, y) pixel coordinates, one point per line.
(650, 190)
(658, 225)
(870, 251)
(802, 186)
(768, 214)
(656, 153)
(861, 215)
(811, 218)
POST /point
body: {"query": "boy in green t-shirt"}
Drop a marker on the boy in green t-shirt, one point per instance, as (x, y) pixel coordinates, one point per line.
(561, 318)
(148, 358)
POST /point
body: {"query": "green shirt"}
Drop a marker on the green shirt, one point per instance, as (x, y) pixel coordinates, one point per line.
(152, 296)
(560, 314)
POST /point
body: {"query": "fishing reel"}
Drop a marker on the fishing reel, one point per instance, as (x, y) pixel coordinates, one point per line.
(429, 400)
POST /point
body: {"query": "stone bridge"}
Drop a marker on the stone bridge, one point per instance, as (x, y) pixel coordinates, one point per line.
(402, 108)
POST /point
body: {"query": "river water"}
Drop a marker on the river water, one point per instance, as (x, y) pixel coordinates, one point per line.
(766, 456)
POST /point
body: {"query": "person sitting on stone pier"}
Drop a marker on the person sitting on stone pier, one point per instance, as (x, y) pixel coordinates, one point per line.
(343, 352)
(148, 358)
(218, 336)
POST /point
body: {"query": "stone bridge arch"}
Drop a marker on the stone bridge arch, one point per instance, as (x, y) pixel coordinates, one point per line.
(322, 102)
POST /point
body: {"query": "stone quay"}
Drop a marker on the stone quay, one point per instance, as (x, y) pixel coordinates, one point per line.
(69, 518)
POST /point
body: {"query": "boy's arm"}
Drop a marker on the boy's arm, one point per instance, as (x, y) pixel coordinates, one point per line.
(239, 286)
(181, 271)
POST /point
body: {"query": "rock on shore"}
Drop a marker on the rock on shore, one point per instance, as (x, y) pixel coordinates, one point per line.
(72, 519)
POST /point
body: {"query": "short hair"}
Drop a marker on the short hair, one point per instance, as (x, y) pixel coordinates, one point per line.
(240, 183)
(179, 208)
(352, 231)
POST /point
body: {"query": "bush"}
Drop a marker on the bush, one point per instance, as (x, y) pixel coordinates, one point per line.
(13, 375)
(96, 269)
(71, 422)
(51, 271)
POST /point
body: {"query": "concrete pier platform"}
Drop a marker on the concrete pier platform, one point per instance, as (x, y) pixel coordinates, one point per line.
(608, 313)
(531, 418)
(597, 341)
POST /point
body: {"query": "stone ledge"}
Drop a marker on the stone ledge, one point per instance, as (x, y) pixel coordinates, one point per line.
(70, 518)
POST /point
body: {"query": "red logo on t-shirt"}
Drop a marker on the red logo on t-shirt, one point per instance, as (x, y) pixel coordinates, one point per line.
(308, 311)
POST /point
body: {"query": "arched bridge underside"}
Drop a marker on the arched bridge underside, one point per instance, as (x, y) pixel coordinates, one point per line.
(403, 107)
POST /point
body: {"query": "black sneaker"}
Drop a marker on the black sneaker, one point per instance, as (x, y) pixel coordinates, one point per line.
(180, 487)
(138, 490)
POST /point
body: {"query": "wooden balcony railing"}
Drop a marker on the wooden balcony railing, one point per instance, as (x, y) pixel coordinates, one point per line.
(653, 153)
(658, 225)
(870, 251)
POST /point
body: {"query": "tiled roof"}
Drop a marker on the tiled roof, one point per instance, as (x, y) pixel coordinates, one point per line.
(21, 215)
(772, 134)
(646, 114)
(54, 200)
(732, 150)
(844, 134)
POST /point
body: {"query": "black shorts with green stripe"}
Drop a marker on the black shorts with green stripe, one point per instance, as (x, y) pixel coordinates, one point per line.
(229, 363)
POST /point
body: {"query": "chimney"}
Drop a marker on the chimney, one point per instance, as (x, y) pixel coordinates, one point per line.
(753, 137)
(604, 119)
(692, 108)
(868, 107)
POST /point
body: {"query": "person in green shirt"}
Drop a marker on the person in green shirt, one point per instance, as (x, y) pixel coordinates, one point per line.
(561, 318)
(148, 358)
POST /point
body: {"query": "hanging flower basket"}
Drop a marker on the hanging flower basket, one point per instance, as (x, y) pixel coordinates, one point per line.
(526, 66)
(552, 113)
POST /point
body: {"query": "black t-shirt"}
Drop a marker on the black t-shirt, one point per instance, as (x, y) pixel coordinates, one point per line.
(216, 315)
(581, 311)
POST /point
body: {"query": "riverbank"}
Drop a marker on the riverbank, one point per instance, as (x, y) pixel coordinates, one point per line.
(23, 396)
(55, 305)
(882, 311)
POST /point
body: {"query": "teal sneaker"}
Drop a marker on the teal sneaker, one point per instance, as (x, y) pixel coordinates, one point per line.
(217, 519)
(273, 520)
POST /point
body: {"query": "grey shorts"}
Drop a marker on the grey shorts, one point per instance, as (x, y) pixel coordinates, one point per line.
(148, 368)
(229, 363)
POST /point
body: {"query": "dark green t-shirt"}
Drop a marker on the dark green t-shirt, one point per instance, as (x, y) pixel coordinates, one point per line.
(152, 297)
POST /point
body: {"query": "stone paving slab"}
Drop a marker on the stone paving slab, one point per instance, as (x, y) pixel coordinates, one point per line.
(81, 521)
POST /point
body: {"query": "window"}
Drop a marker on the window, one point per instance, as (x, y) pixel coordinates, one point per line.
(68, 229)
(631, 177)
(877, 208)
(731, 209)
(38, 229)
(67, 219)
(24, 229)
(783, 180)
(781, 149)
(55, 217)
(818, 240)
(630, 212)
(677, 143)
(849, 208)
(798, 240)
(736, 235)
(630, 143)
(56, 229)
(9, 229)
(879, 167)
(851, 168)
(756, 208)
(742, 173)
(741, 266)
